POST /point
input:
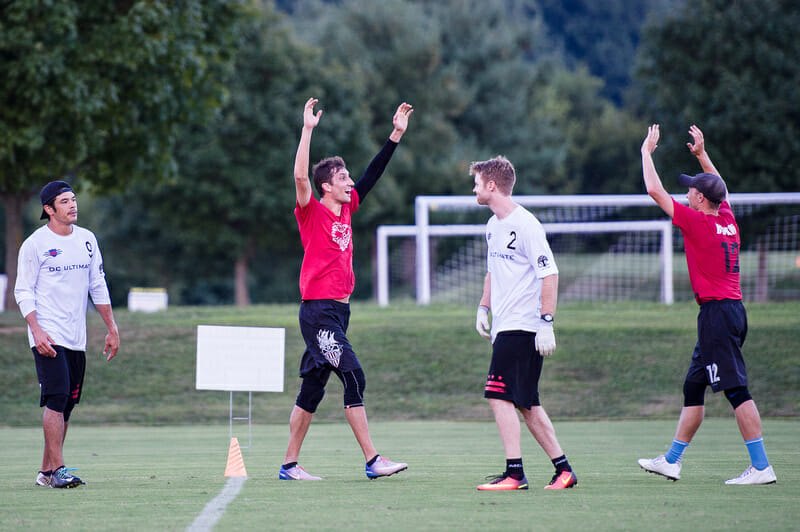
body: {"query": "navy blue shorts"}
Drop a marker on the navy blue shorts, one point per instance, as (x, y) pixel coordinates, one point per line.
(515, 369)
(717, 359)
(62, 374)
(323, 324)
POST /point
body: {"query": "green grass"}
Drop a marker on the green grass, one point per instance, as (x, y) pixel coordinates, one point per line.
(160, 478)
(614, 360)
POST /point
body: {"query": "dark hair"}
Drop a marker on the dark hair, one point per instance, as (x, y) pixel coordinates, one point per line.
(52, 205)
(324, 171)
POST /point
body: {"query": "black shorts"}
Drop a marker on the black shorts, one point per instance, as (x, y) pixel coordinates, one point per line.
(62, 374)
(717, 359)
(323, 323)
(515, 369)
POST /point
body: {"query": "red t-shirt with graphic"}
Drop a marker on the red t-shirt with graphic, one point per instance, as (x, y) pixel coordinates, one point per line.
(712, 251)
(327, 270)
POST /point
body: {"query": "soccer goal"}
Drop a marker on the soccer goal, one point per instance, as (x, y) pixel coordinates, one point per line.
(608, 248)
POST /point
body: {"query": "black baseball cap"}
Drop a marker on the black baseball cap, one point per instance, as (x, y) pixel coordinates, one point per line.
(50, 191)
(711, 185)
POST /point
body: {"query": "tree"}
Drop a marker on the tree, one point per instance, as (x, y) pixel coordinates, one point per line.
(603, 36)
(94, 92)
(233, 197)
(732, 68)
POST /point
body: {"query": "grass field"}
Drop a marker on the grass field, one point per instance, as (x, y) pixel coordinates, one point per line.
(153, 449)
(160, 478)
(621, 360)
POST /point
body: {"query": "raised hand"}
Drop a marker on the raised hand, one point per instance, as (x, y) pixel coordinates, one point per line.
(651, 142)
(310, 120)
(400, 119)
(699, 145)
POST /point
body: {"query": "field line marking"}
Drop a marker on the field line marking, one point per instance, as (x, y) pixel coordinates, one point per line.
(216, 506)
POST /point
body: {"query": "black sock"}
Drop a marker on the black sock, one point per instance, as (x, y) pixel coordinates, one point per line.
(514, 468)
(373, 460)
(46, 473)
(561, 463)
(289, 465)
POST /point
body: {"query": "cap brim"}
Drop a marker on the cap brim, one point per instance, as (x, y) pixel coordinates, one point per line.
(43, 216)
(686, 180)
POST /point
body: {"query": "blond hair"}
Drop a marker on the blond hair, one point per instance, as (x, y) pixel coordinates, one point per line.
(500, 170)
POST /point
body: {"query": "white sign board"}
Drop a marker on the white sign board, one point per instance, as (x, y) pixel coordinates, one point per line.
(3, 284)
(240, 359)
(147, 299)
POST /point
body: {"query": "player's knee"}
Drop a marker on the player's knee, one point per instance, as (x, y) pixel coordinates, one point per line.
(738, 395)
(57, 402)
(311, 393)
(354, 384)
(694, 393)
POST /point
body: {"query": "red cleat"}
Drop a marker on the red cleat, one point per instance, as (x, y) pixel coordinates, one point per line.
(504, 483)
(562, 481)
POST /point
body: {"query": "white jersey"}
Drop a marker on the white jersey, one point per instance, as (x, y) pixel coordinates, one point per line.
(55, 275)
(519, 257)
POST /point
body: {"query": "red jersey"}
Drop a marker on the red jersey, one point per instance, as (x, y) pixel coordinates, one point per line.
(712, 251)
(327, 270)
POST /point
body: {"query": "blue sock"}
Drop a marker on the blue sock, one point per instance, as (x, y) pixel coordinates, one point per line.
(758, 455)
(676, 451)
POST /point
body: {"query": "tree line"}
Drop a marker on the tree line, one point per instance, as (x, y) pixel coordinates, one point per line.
(179, 122)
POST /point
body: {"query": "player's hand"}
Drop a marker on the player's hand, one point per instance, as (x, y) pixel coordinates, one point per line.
(400, 120)
(310, 120)
(699, 145)
(112, 343)
(482, 322)
(651, 141)
(545, 339)
(43, 343)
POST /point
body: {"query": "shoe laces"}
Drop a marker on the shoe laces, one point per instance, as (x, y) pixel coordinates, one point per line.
(493, 479)
(64, 472)
(747, 472)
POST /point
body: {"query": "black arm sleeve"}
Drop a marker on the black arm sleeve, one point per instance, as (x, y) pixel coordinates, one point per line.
(375, 169)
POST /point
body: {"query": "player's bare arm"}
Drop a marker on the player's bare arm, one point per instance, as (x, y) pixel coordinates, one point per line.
(112, 338)
(482, 317)
(400, 121)
(302, 182)
(549, 294)
(42, 340)
(698, 149)
(652, 182)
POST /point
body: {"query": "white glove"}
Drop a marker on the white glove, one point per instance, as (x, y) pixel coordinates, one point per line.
(545, 339)
(482, 322)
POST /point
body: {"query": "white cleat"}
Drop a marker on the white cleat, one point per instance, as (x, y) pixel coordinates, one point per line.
(751, 476)
(383, 467)
(660, 466)
(296, 473)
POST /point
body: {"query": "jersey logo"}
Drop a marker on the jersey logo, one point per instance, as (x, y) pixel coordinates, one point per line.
(340, 233)
(729, 230)
(89, 249)
(542, 261)
(330, 348)
(53, 252)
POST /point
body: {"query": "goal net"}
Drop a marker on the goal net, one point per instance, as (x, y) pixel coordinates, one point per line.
(608, 248)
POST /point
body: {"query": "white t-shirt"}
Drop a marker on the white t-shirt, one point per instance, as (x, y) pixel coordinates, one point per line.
(55, 274)
(519, 257)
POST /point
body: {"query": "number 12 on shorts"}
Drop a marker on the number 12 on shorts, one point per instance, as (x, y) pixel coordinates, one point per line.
(712, 373)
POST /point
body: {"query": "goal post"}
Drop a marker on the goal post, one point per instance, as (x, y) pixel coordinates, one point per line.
(664, 227)
(581, 216)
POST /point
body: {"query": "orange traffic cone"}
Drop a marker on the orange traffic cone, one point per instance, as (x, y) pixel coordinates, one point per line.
(235, 466)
